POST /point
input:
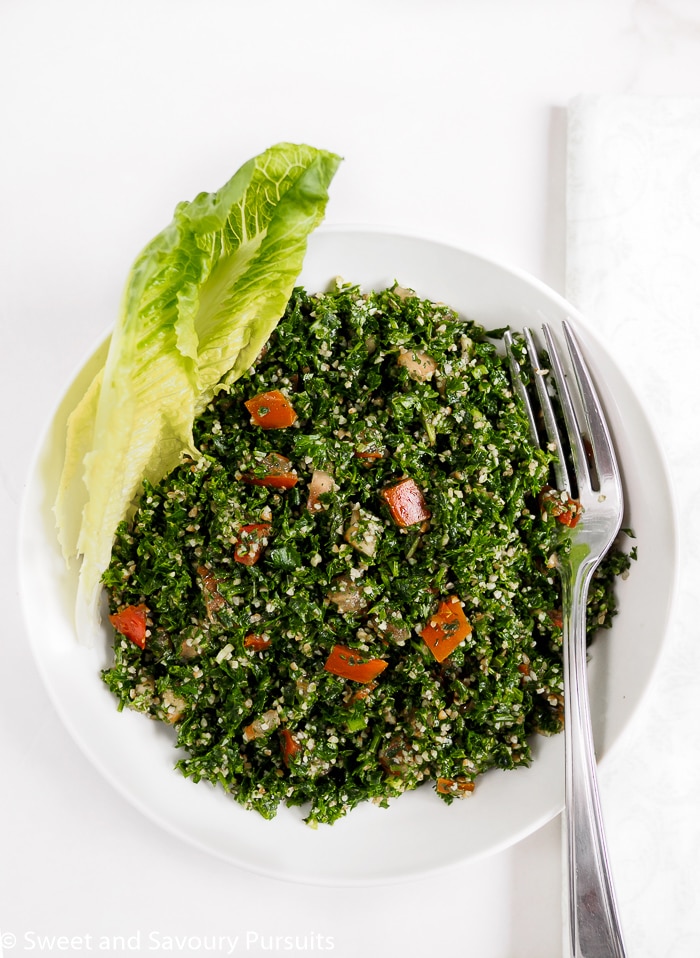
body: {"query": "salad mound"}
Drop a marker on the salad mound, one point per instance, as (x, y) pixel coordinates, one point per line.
(351, 590)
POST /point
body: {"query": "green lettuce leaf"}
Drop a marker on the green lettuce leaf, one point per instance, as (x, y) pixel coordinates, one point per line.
(200, 302)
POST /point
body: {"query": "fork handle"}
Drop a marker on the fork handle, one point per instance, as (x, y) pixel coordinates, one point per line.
(594, 928)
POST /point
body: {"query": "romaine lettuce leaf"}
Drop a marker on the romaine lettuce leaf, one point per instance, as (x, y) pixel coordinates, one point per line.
(200, 302)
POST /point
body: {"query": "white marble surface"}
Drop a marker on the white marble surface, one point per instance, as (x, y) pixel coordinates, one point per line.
(451, 115)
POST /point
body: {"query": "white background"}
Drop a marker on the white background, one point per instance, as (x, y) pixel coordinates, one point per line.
(451, 117)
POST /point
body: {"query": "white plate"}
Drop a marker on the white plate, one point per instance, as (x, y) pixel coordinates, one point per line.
(418, 833)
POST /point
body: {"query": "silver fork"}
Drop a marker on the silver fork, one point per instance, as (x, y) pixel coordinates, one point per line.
(593, 923)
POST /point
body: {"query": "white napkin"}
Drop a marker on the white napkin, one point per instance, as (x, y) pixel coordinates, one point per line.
(633, 269)
(633, 243)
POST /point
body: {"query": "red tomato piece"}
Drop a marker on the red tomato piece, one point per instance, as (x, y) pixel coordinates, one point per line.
(406, 503)
(349, 664)
(271, 410)
(131, 623)
(275, 480)
(251, 542)
(561, 506)
(257, 643)
(446, 629)
(276, 472)
(290, 746)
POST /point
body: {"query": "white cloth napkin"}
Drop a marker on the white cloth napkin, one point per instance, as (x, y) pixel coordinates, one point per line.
(633, 242)
(633, 269)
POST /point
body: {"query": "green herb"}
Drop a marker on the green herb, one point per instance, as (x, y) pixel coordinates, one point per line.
(385, 386)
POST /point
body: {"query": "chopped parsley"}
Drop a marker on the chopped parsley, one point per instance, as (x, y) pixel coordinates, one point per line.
(297, 581)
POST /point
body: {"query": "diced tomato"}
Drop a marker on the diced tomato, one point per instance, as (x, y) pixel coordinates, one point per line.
(446, 629)
(454, 786)
(290, 746)
(406, 503)
(275, 471)
(257, 643)
(275, 480)
(131, 623)
(349, 664)
(570, 516)
(561, 506)
(271, 410)
(251, 542)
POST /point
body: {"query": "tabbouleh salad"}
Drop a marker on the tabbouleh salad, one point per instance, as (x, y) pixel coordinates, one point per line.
(353, 590)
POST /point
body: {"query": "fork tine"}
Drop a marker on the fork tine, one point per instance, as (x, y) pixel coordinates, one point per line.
(517, 379)
(561, 473)
(578, 450)
(599, 434)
